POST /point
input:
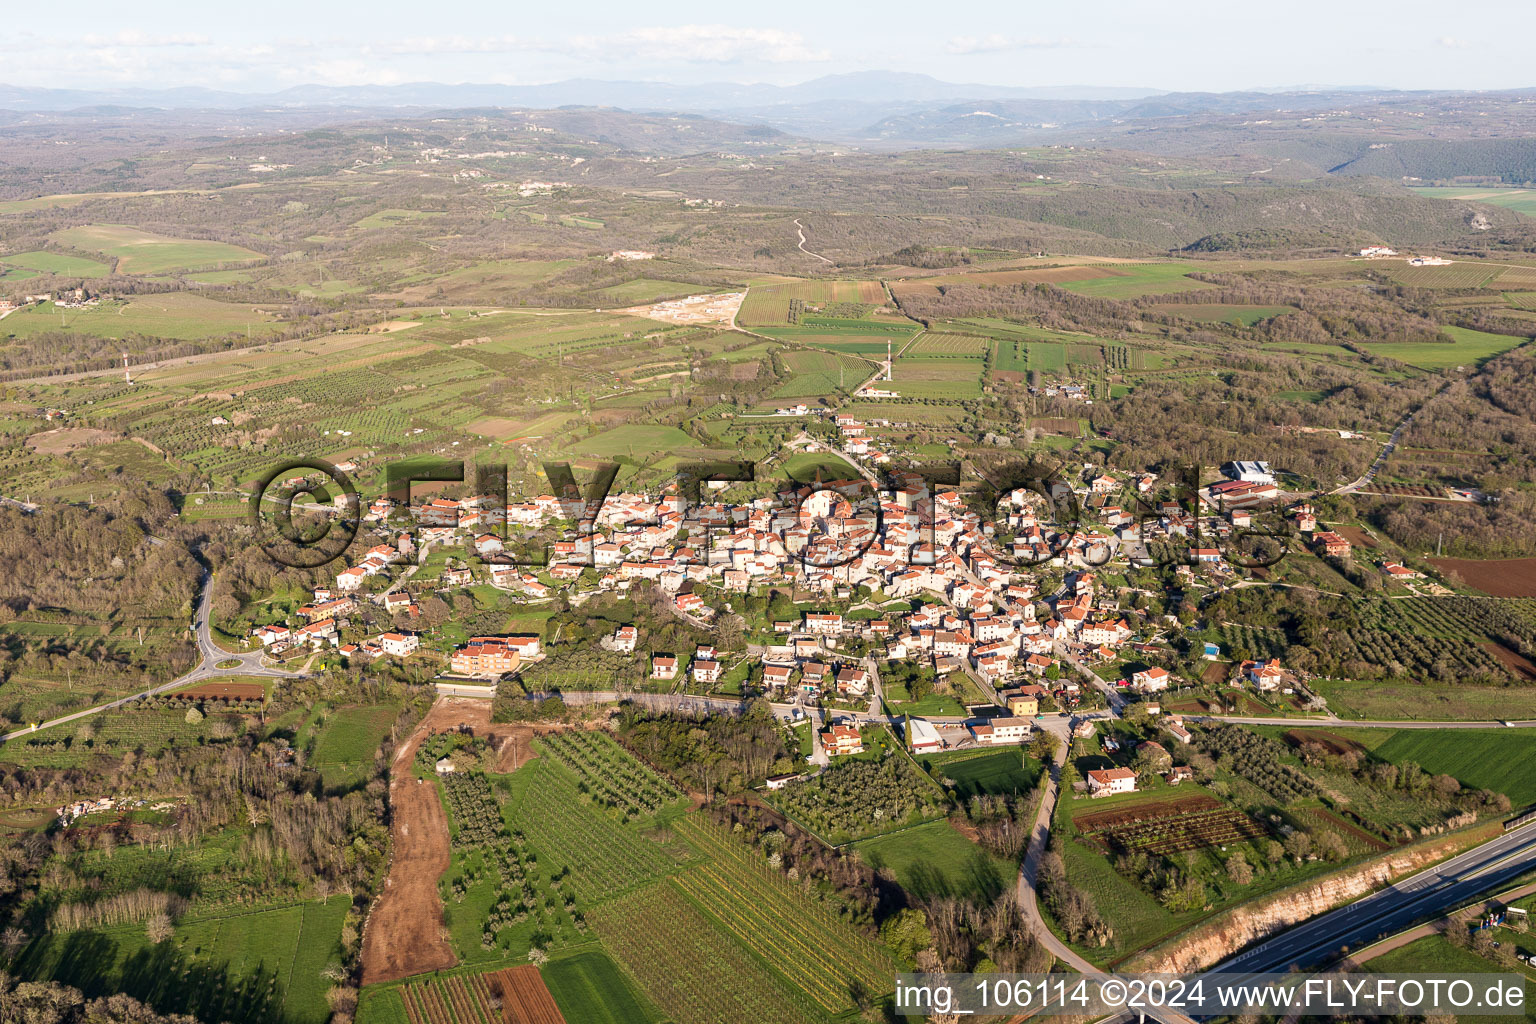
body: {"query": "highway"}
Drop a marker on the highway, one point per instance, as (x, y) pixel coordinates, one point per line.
(1320, 939)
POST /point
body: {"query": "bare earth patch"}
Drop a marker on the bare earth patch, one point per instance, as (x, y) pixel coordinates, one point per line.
(62, 440)
(405, 934)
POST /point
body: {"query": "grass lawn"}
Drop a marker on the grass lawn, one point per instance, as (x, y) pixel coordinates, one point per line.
(802, 466)
(589, 987)
(936, 860)
(996, 772)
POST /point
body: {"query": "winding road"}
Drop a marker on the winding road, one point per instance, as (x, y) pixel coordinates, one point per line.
(210, 655)
(800, 230)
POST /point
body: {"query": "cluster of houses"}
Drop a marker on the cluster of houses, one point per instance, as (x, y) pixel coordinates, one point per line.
(856, 439)
(1120, 779)
(1052, 389)
(972, 581)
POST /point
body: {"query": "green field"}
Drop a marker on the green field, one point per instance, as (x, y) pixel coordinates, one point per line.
(395, 218)
(345, 745)
(37, 262)
(1426, 701)
(771, 916)
(1470, 349)
(814, 374)
(144, 252)
(1496, 759)
(998, 772)
(769, 304)
(1138, 919)
(936, 378)
(1435, 954)
(934, 860)
(589, 987)
(686, 964)
(246, 968)
(1521, 200)
(646, 289)
(171, 315)
(1132, 280)
(636, 439)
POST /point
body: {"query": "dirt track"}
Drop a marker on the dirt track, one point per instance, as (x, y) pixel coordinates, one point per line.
(404, 933)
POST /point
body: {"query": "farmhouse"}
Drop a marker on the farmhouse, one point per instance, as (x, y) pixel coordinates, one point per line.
(1104, 781)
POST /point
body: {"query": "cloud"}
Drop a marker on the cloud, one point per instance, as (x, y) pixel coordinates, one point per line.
(134, 38)
(1452, 43)
(995, 42)
(717, 44)
(427, 45)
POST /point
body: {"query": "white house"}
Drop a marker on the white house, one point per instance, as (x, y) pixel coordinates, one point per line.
(399, 644)
(1104, 781)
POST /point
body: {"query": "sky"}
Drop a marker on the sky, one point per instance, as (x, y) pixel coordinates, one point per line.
(1194, 45)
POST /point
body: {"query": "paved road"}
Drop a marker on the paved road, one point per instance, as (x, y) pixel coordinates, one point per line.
(1350, 723)
(1389, 910)
(1029, 872)
(1388, 448)
(207, 668)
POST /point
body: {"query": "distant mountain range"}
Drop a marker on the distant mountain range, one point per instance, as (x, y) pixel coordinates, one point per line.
(872, 87)
(878, 108)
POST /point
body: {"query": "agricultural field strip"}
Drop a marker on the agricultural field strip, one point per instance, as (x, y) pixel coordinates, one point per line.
(598, 760)
(810, 945)
(679, 961)
(1190, 827)
(603, 855)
